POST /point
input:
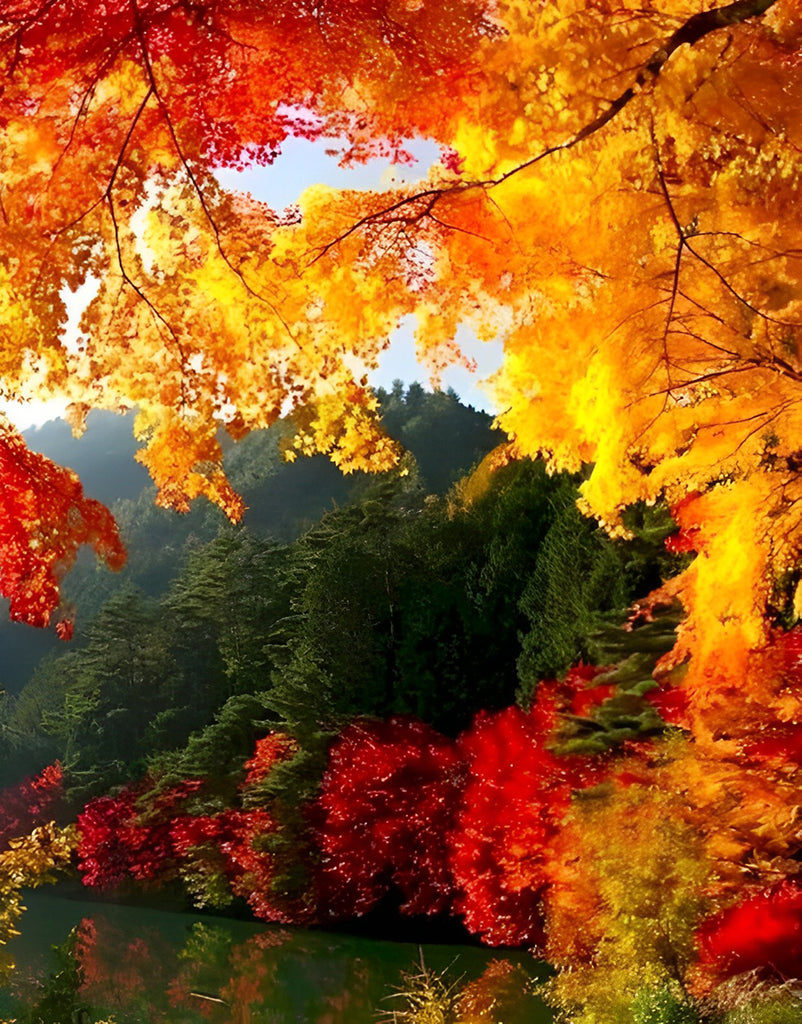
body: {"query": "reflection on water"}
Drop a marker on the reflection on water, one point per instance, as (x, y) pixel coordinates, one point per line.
(80, 962)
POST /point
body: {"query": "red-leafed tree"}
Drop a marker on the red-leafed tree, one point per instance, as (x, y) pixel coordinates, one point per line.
(154, 835)
(126, 836)
(516, 794)
(34, 801)
(44, 519)
(270, 750)
(385, 810)
(761, 933)
(104, 848)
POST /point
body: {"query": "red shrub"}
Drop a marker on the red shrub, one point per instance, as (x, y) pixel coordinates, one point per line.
(231, 844)
(191, 831)
(152, 837)
(515, 797)
(686, 515)
(104, 849)
(386, 807)
(33, 802)
(270, 750)
(764, 931)
(781, 742)
(120, 839)
(152, 852)
(249, 866)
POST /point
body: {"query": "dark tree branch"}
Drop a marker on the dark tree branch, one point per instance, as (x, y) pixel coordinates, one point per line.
(141, 31)
(691, 32)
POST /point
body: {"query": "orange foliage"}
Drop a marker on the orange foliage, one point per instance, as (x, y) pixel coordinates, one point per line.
(617, 200)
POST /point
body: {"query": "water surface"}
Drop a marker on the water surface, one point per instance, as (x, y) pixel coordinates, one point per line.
(80, 962)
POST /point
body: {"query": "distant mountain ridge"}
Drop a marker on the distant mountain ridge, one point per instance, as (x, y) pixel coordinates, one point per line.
(103, 457)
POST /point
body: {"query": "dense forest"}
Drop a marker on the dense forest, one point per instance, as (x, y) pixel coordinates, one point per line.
(417, 592)
(283, 500)
(417, 598)
(180, 585)
(393, 705)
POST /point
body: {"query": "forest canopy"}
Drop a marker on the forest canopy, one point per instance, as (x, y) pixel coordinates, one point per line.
(614, 199)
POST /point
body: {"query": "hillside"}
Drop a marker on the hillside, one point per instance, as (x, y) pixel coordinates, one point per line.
(445, 438)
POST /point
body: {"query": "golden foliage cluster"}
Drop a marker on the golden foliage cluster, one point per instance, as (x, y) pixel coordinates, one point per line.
(30, 861)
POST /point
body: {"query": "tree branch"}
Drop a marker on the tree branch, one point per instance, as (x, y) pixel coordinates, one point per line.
(142, 34)
(691, 32)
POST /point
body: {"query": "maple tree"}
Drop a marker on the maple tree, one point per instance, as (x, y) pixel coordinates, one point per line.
(32, 802)
(153, 834)
(45, 519)
(516, 793)
(385, 811)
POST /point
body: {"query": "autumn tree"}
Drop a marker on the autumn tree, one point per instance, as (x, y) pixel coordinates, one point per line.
(654, 290)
